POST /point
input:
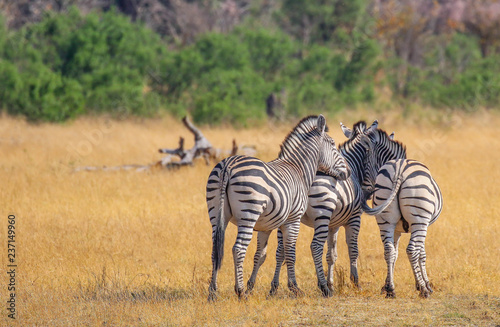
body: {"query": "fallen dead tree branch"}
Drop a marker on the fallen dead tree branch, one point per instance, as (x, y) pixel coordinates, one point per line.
(178, 157)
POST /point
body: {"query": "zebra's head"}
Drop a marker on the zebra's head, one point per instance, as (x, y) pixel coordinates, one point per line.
(358, 129)
(381, 148)
(354, 150)
(330, 160)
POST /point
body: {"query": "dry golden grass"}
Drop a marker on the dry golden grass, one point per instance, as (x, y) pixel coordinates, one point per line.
(127, 248)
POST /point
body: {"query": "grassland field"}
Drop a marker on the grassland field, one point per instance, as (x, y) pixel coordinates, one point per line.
(126, 248)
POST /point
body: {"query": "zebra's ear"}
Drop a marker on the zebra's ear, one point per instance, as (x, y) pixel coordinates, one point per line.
(373, 126)
(321, 124)
(392, 136)
(347, 132)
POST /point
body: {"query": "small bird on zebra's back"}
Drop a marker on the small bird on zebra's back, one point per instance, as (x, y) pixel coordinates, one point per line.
(407, 199)
(263, 196)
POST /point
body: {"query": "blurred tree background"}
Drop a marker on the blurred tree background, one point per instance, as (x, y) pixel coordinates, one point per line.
(237, 61)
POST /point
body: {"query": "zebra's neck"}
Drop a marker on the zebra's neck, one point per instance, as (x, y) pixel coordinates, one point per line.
(383, 150)
(387, 149)
(300, 149)
(302, 157)
(354, 153)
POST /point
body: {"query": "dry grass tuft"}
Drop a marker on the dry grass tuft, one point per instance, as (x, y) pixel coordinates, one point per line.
(126, 248)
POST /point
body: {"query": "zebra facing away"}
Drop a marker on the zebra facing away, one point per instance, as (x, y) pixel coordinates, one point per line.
(261, 196)
(332, 203)
(407, 200)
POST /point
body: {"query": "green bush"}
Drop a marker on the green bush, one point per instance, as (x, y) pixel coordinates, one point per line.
(269, 51)
(229, 95)
(68, 64)
(454, 75)
(38, 93)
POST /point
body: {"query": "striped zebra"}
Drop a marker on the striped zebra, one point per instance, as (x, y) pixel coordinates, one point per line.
(332, 203)
(406, 200)
(264, 196)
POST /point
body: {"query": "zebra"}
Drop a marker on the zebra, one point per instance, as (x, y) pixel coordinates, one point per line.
(264, 196)
(407, 199)
(332, 203)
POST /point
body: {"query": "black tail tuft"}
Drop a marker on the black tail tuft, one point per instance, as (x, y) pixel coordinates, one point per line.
(218, 246)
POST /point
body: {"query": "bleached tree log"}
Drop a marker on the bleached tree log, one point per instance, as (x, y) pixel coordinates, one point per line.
(202, 148)
(179, 156)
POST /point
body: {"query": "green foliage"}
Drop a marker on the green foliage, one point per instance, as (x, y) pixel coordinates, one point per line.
(269, 51)
(216, 79)
(453, 74)
(321, 21)
(318, 56)
(478, 85)
(228, 77)
(68, 64)
(232, 95)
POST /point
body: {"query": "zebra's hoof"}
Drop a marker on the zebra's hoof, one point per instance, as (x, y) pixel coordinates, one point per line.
(424, 293)
(389, 292)
(355, 281)
(390, 295)
(274, 289)
(425, 290)
(240, 292)
(326, 291)
(212, 297)
(250, 286)
(428, 285)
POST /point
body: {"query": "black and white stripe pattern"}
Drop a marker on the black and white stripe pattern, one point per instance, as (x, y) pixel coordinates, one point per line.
(264, 196)
(407, 200)
(332, 203)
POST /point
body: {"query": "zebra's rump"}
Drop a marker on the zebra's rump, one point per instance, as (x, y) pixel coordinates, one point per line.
(419, 196)
(255, 189)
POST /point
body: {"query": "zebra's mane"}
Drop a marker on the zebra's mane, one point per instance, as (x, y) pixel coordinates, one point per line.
(306, 125)
(358, 128)
(394, 146)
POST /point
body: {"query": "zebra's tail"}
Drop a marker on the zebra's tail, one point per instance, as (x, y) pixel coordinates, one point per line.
(377, 210)
(218, 240)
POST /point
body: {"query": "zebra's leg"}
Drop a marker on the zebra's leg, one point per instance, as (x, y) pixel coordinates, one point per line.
(351, 237)
(397, 237)
(290, 234)
(331, 255)
(387, 235)
(260, 257)
(422, 261)
(414, 250)
(320, 235)
(239, 251)
(280, 258)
